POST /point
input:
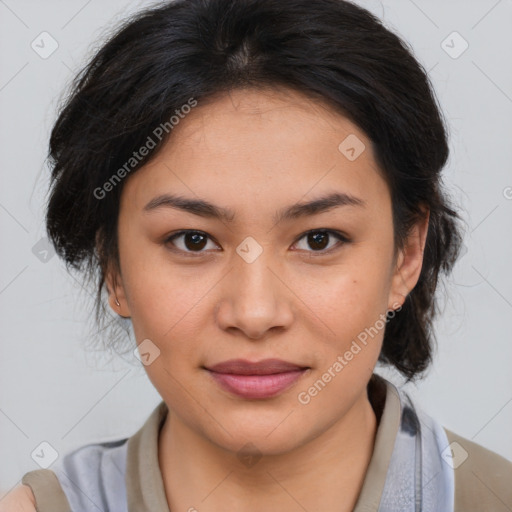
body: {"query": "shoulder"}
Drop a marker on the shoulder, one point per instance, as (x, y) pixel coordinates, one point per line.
(483, 478)
(20, 499)
(96, 469)
(45, 491)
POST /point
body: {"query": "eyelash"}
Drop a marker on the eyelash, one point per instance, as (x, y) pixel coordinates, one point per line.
(341, 237)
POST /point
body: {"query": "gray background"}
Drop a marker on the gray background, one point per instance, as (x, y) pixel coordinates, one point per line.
(53, 390)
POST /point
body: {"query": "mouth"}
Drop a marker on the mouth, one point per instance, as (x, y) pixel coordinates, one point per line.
(256, 380)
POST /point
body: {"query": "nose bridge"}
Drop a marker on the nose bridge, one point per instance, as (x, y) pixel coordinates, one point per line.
(255, 300)
(255, 283)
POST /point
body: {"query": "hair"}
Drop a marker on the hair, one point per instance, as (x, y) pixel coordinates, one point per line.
(329, 50)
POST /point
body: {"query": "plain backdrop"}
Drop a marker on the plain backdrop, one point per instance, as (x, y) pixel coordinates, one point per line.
(53, 390)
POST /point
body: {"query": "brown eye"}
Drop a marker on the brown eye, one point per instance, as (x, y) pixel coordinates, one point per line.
(320, 240)
(194, 241)
(189, 241)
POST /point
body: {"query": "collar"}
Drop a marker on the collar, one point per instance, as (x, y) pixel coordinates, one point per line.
(144, 483)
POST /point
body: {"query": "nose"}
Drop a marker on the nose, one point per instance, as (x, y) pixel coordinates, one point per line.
(254, 299)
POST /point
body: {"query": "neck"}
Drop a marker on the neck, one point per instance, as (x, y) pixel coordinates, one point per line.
(326, 473)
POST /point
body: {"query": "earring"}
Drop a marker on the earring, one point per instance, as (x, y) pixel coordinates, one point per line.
(117, 302)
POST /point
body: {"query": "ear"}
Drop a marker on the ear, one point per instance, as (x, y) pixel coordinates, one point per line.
(113, 279)
(409, 262)
(116, 293)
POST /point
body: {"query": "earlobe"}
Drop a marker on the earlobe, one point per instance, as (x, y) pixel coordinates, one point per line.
(116, 294)
(409, 263)
(112, 279)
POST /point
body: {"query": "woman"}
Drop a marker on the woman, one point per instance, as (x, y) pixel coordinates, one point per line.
(256, 184)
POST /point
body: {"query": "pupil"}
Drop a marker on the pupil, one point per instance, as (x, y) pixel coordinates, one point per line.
(194, 241)
(315, 240)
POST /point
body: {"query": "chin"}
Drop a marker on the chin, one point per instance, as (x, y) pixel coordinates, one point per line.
(252, 433)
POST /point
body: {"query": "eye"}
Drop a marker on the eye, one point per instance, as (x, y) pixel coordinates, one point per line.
(189, 241)
(193, 241)
(320, 239)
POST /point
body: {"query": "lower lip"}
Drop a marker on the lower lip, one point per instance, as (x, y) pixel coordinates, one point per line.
(257, 386)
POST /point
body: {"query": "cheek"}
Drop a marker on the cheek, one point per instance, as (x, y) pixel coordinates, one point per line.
(353, 304)
(163, 304)
(349, 296)
(163, 298)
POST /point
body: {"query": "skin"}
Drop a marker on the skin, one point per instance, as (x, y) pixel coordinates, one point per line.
(20, 499)
(255, 152)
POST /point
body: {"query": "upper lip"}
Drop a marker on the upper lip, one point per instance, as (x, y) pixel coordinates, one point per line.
(263, 367)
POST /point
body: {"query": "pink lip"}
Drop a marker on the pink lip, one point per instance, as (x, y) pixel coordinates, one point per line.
(262, 379)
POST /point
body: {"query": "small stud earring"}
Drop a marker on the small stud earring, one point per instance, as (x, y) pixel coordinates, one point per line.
(117, 302)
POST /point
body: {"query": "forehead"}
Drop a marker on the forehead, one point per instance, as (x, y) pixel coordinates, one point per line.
(263, 107)
(275, 142)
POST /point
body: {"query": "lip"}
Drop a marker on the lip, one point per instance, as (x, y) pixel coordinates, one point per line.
(256, 380)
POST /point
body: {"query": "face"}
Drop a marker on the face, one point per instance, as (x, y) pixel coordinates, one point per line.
(241, 268)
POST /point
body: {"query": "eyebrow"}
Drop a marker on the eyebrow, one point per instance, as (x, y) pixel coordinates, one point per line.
(206, 209)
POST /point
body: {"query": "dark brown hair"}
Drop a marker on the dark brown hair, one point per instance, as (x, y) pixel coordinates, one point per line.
(331, 50)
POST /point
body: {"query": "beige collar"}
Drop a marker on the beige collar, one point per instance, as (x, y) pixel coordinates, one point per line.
(144, 483)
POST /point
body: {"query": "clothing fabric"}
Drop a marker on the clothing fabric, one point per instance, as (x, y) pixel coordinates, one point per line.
(416, 465)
